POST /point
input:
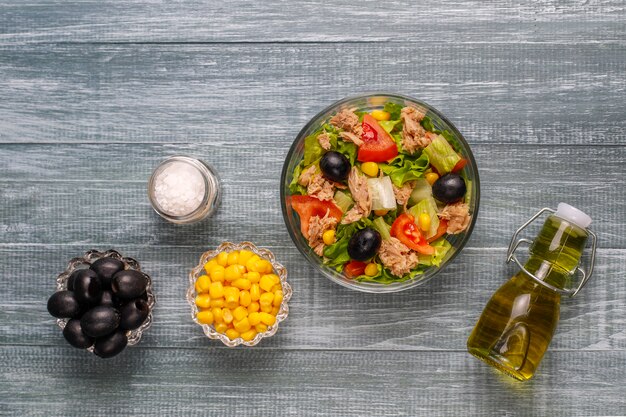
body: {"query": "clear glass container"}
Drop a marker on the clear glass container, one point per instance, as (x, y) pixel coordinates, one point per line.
(209, 202)
(279, 270)
(84, 262)
(369, 102)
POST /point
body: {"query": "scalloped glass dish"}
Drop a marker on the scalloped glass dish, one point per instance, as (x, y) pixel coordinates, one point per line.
(369, 102)
(279, 270)
(129, 263)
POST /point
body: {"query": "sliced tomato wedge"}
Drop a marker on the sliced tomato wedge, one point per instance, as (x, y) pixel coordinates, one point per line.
(354, 269)
(407, 232)
(307, 207)
(459, 165)
(377, 145)
(441, 230)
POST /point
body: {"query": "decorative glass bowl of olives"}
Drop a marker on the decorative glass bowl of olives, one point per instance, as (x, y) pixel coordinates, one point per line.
(103, 302)
(333, 167)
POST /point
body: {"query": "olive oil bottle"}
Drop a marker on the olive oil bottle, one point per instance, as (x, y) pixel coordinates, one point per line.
(517, 325)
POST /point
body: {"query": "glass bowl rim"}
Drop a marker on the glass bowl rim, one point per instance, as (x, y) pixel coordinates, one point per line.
(371, 287)
(278, 268)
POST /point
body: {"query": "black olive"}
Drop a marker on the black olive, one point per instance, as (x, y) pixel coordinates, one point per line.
(87, 288)
(111, 345)
(129, 284)
(449, 189)
(133, 314)
(335, 166)
(364, 244)
(75, 336)
(106, 268)
(76, 274)
(107, 299)
(100, 321)
(63, 304)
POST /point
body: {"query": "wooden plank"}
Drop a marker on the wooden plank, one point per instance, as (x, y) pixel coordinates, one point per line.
(51, 381)
(531, 93)
(436, 316)
(89, 193)
(504, 21)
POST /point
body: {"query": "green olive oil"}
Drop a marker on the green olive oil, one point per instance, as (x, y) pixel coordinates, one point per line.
(519, 320)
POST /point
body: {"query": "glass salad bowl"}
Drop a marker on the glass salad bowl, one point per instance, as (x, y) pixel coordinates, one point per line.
(368, 103)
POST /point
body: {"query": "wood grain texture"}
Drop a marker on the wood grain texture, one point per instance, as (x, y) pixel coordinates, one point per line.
(217, 94)
(284, 382)
(502, 21)
(93, 94)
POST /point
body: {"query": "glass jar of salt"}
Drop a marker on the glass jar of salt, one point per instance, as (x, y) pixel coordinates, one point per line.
(184, 190)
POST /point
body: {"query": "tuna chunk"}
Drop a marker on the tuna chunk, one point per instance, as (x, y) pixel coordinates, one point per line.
(317, 185)
(414, 136)
(324, 140)
(403, 193)
(360, 194)
(458, 217)
(347, 120)
(351, 137)
(305, 176)
(317, 227)
(397, 257)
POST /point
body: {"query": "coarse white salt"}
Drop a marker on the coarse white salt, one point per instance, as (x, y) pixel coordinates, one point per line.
(179, 188)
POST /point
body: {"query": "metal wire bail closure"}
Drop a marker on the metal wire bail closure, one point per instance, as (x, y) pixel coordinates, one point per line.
(515, 243)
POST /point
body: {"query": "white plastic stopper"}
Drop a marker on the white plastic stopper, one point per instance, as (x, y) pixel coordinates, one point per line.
(573, 215)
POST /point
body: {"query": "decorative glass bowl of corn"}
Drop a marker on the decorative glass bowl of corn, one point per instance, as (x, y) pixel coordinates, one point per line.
(239, 294)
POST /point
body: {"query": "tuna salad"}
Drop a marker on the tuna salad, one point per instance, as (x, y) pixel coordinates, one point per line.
(379, 193)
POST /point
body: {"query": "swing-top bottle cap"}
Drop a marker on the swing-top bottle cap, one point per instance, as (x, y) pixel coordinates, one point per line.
(573, 215)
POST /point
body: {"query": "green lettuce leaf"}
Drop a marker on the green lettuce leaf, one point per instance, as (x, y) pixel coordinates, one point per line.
(349, 149)
(427, 124)
(294, 187)
(388, 125)
(393, 109)
(337, 253)
(441, 155)
(442, 246)
(312, 149)
(404, 168)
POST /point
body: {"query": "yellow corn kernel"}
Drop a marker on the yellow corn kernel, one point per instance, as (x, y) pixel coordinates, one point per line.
(233, 258)
(278, 298)
(232, 334)
(203, 300)
(254, 318)
(216, 290)
(275, 311)
(268, 268)
(217, 302)
(266, 299)
(266, 308)
(209, 265)
(205, 317)
(261, 327)
(202, 283)
(249, 335)
(431, 177)
(244, 298)
(242, 325)
(227, 315)
(254, 307)
(253, 276)
(423, 221)
(381, 212)
(329, 237)
(222, 259)
(232, 273)
(231, 297)
(240, 313)
(255, 292)
(250, 263)
(380, 115)
(371, 269)
(217, 273)
(276, 287)
(218, 314)
(267, 318)
(221, 328)
(266, 283)
(242, 284)
(244, 255)
(370, 169)
(242, 269)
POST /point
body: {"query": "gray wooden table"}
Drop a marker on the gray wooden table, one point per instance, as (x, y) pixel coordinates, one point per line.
(93, 94)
